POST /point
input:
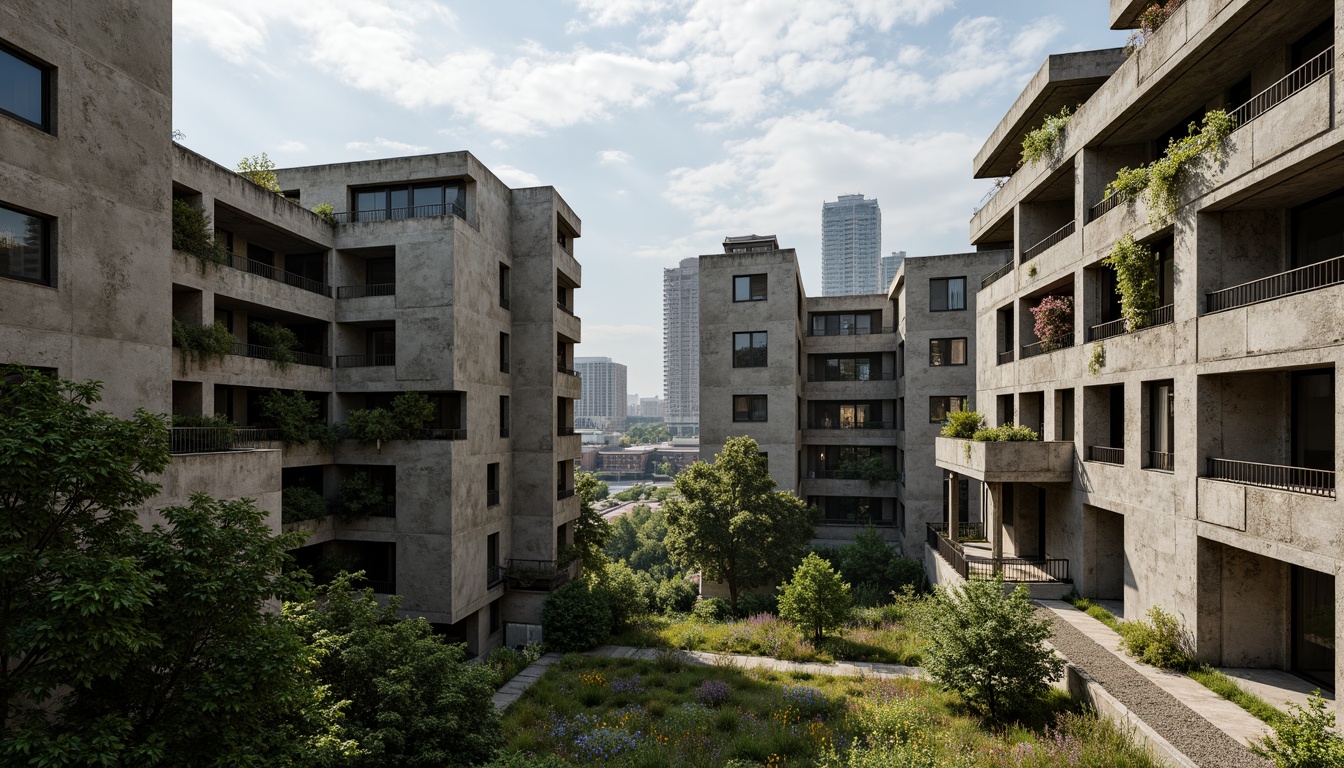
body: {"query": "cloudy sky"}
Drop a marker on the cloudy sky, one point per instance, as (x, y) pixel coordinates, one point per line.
(666, 124)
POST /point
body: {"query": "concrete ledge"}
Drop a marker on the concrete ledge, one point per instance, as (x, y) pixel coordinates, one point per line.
(1085, 689)
(1036, 462)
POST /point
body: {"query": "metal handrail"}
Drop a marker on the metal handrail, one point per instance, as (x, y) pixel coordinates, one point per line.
(1316, 482)
(563, 493)
(1162, 460)
(1300, 280)
(993, 277)
(879, 376)
(182, 440)
(1106, 454)
(1006, 356)
(1106, 205)
(946, 549)
(365, 361)
(259, 352)
(1162, 315)
(1038, 347)
(850, 331)
(262, 269)
(441, 434)
(567, 371)
(849, 425)
(361, 291)
(568, 310)
(1052, 239)
(409, 212)
(859, 520)
(1031, 570)
(1316, 68)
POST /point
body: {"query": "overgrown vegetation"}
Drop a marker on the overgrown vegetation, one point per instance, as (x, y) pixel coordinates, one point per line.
(646, 434)
(1304, 738)
(1093, 610)
(875, 570)
(298, 504)
(1228, 688)
(1161, 640)
(1046, 141)
(325, 212)
(279, 342)
(202, 343)
(1163, 180)
(1097, 359)
(963, 424)
(260, 170)
(1135, 280)
(407, 414)
(194, 234)
(361, 495)
(298, 418)
(1006, 433)
(1054, 322)
(1150, 20)
(872, 468)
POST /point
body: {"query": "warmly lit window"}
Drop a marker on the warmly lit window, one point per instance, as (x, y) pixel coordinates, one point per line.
(941, 406)
(749, 408)
(749, 288)
(749, 349)
(947, 351)
(25, 89)
(947, 294)
(25, 246)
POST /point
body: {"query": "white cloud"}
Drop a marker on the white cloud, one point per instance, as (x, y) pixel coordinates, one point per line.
(612, 13)
(384, 145)
(516, 178)
(499, 144)
(613, 157)
(292, 146)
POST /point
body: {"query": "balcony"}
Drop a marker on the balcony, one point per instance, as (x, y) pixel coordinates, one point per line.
(1294, 281)
(568, 310)
(853, 331)
(373, 510)
(1106, 454)
(835, 377)
(1314, 482)
(1039, 348)
(856, 425)
(1315, 69)
(441, 434)
(244, 264)
(1033, 462)
(972, 566)
(270, 353)
(567, 371)
(365, 361)
(538, 575)
(563, 493)
(993, 277)
(1052, 239)
(856, 521)
(1006, 356)
(1161, 461)
(1106, 205)
(183, 440)
(362, 291)
(1160, 316)
(411, 212)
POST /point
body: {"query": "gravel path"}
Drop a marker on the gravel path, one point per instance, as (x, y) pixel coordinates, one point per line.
(1187, 731)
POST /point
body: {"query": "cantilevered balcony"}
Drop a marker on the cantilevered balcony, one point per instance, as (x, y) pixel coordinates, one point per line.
(1050, 240)
(1314, 482)
(410, 212)
(993, 277)
(182, 440)
(1160, 316)
(362, 291)
(1309, 278)
(365, 361)
(1025, 462)
(261, 269)
(1040, 347)
(1311, 71)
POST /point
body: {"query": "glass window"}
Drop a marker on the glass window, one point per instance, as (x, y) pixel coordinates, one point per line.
(371, 205)
(428, 200)
(947, 351)
(749, 288)
(947, 294)
(749, 349)
(942, 405)
(25, 246)
(503, 353)
(491, 484)
(749, 408)
(405, 202)
(24, 89)
(503, 415)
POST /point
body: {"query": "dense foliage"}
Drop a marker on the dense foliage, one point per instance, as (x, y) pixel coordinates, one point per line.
(1163, 180)
(1160, 640)
(874, 568)
(575, 617)
(1135, 280)
(590, 530)
(1006, 433)
(408, 413)
(279, 342)
(361, 495)
(1304, 738)
(646, 434)
(194, 234)
(200, 343)
(815, 598)
(260, 170)
(637, 538)
(297, 416)
(1054, 321)
(1047, 140)
(1150, 20)
(298, 504)
(963, 424)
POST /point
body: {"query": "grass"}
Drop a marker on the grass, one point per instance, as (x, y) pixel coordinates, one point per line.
(1095, 611)
(629, 713)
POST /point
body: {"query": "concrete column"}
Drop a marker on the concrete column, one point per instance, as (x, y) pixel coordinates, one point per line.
(994, 521)
(953, 505)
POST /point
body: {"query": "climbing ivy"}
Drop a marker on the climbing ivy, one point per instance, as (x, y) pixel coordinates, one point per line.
(1163, 179)
(1098, 359)
(1046, 140)
(1135, 280)
(200, 343)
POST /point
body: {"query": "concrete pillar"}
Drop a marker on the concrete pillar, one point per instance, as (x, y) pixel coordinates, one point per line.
(994, 521)
(953, 505)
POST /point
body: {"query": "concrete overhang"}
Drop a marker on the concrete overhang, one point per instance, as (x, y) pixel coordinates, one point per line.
(1125, 13)
(1038, 462)
(1064, 80)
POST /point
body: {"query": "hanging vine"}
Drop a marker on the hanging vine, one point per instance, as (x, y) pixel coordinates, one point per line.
(1135, 280)
(1046, 140)
(1163, 180)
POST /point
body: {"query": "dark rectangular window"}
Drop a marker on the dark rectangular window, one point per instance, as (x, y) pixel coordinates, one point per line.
(858, 368)
(947, 351)
(25, 89)
(503, 415)
(505, 290)
(900, 360)
(25, 246)
(749, 288)
(749, 349)
(494, 617)
(407, 202)
(1318, 230)
(1313, 419)
(503, 353)
(491, 557)
(492, 484)
(380, 271)
(749, 408)
(947, 294)
(1161, 424)
(381, 345)
(942, 405)
(842, 324)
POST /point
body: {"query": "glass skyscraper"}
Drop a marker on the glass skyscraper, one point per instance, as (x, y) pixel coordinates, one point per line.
(851, 247)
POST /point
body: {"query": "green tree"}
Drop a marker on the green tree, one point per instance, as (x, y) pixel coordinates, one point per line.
(414, 701)
(260, 170)
(816, 597)
(870, 562)
(293, 413)
(732, 524)
(638, 539)
(590, 530)
(623, 591)
(989, 646)
(647, 434)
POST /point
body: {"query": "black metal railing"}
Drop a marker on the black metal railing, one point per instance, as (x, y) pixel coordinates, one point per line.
(1317, 482)
(1163, 315)
(858, 521)
(563, 493)
(360, 291)
(215, 439)
(271, 353)
(494, 576)
(1106, 454)
(966, 531)
(849, 425)
(845, 474)
(365, 361)
(849, 331)
(1006, 356)
(1039, 347)
(1316, 68)
(993, 277)
(379, 587)
(1162, 460)
(260, 269)
(1106, 205)
(1030, 570)
(440, 434)
(872, 376)
(1300, 280)
(491, 498)
(1052, 239)
(537, 575)
(946, 549)
(409, 212)
(564, 431)
(567, 371)
(568, 310)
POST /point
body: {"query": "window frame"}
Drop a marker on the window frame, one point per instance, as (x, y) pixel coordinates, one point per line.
(947, 296)
(747, 414)
(947, 406)
(949, 354)
(751, 345)
(48, 262)
(48, 74)
(751, 293)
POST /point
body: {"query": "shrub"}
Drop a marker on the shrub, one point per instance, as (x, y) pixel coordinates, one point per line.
(1006, 433)
(298, 504)
(278, 341)
(816, 597)
(873, 568)
(618, 585)
(872, 468)
(325, 212)
(1150, 20)
(675, 595)
(989, 646)
(200, 343)
(1160, 641)
(575, 618)
(1054, 321)
(963, 424)
(361, 496)
(507, 663)
(260, 170)
(1045, 142)
(194, 234)
(756, 603)
(292, 413)
(1304, 738)
(408, 413)
(712, 609)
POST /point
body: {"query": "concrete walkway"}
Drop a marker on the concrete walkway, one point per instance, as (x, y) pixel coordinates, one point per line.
(510, 691)
(1276, 686)
(740, 661)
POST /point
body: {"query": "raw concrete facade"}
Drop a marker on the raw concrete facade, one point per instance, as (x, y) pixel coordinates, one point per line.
(603, 404)
(468, 300)
(851, 247)
(681, 348)
(1205, 443)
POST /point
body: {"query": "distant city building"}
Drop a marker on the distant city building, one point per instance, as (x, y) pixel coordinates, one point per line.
(890, 266)
(602, 403)
(650, 407)
(631, 404)
(681, 347)
(851, 247)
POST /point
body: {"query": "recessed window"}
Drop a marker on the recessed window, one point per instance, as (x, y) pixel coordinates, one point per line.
(409, 201)
(503, 353)
(942, 405)
(947, 351)
(492, 484)
(947, 294)
(503, 415)
(749, 408)
(25, 246)
(749, 288)
(749, 349)
(505, 290)
(25, 89)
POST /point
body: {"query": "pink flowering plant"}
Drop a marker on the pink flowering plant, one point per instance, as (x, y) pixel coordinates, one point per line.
(1054, 321)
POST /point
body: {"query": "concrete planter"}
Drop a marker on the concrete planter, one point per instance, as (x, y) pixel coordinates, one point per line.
(1038, 462)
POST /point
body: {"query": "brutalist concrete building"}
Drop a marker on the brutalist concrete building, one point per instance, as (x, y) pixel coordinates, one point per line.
(1192, 450)
(433, 276)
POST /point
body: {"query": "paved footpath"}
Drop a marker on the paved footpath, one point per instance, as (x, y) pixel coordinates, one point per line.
(510, 691)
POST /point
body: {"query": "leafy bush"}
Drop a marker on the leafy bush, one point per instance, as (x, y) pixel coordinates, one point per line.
(874, 569)
(1150, 20)
(1006, 433)
(293, 413)
(507, 663)
(623, 592)
(963, 424)
(298, 504)
(575, 618)
(200, 343)
(1046, 141)
(1304, 738)
(260, 170)
(637, 538)
(515, 759)
(194, 234)
(675, 595)
(325, 212)
(1054, 321)
(816, 597)
(213, 420)
(1160, 641)
(989, 646)
(408, 413)
(712, 609)
(872, 468)
(361, 496)
(756, 603)
(278, 341)
(1135, 280)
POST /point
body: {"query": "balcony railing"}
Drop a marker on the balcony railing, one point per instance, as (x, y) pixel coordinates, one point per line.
(563, 493)
(1161, 316)
(875, 376)
(994, 276)
(1106, 454)
(270, 353)
(1300, 280)
(537, 575)
(844, 474)
(564, 431)
(858, 520)
(849, 425)
(849, 331)
(567, 371)
(365, 361)
(1054, 238)
(977, 568)
(965, 530)
(568, 310)
(1162, 460)
(441, 434)
(1318, 67)
(1038, 347)
(946, 550)
(1006, 356)
(1316, 482)
(360, 291)
(494, 576)
(215, 439)
(244, 264)
(1106, 205)
(378, 586)
(410, 212)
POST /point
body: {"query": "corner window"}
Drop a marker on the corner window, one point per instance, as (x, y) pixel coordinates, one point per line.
(409, 202)
(942, 405)
(749, 288)
(25, 246)
(947, 351)
(25, 89)
(749, 408)
(749, 349)
(947, 294)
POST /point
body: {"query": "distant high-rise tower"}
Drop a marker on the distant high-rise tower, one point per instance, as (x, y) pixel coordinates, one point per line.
(603, 402)
(851, 246)
(887, 272)
(681, 348)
